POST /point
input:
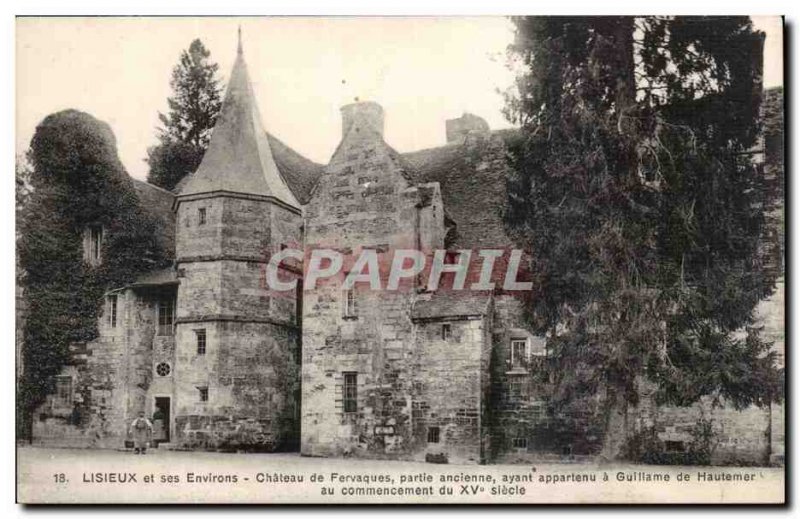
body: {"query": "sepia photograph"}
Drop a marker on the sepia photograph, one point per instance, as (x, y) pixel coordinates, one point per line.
(400, 260)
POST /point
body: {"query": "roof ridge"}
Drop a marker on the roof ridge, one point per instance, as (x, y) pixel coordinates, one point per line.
(281, 142)
(148, 184)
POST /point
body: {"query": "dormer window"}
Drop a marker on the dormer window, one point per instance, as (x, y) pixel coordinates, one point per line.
(93, 244)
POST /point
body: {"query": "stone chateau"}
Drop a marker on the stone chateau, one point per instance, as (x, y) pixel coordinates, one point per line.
(220, 361)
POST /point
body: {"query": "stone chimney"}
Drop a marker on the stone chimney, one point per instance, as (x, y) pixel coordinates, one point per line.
(458, 129)
(367, 112)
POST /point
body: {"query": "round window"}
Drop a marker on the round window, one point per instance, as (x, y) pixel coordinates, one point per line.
(163, 369)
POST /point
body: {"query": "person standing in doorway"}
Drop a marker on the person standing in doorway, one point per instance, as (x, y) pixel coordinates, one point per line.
(142, 432)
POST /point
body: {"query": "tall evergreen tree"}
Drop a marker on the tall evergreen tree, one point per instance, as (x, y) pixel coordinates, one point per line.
(186, 128)
(642, 208)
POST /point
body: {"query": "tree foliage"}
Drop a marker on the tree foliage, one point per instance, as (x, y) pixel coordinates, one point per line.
(77, 181)
(186, 128)
(641, 204)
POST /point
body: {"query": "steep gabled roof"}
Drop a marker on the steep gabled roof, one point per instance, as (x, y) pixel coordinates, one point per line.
(239, 157)
(158, 202)
(300, 173)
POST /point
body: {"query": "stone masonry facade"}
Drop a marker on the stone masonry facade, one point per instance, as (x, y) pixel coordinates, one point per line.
(223, 362)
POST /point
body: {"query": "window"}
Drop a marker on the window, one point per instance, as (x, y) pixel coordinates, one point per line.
(433, 435)
(350, 392)
(63, 396)
(201, 341)
(203, 393)
(519, 353)
(166, 316)
(163, 369)
(447, 332)
(112, 311)
(201, 216)
(93, 244)
(519, 443)
(349, 303)
(673, 446)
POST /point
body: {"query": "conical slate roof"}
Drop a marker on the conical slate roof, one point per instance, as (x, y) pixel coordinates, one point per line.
(239, 158)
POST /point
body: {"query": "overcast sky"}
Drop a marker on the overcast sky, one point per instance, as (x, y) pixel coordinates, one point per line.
(422, 70)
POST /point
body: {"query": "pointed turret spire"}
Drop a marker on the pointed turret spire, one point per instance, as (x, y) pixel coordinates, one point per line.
(239, 48)
(239, 158)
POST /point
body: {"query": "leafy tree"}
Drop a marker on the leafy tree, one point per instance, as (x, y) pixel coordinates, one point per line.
(77, 181)
(642, 207)
(186, 128)
(22, 188)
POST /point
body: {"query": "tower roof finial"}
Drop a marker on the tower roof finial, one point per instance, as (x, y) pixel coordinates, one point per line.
(239, 157)
(239, 48)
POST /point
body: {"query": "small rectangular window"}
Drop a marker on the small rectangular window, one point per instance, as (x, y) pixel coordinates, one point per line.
(201, 215)
(112, 310)
(93, 244)
(519, 443)
(350, 392)
(433, 435)
(97, 242)
(63, 396)
(349, 303)
(673, 446)
(447, 331)
(166, 317)
(519, 353)
(201, 341)
(203, 394)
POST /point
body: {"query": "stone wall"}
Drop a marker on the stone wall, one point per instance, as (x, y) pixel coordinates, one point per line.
(739, 437)
(521, 425)
(448, 390)
(193, 239)
(250, 374)
(249, 371)
(110, 377)
(364, 199)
